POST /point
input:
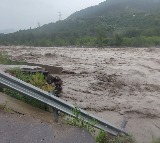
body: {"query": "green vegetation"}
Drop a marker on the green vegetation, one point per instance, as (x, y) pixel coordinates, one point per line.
(4, 108)
(37, 79)
(103, 137)
(156, 140)
(106, 138)
(79, 122)
(111, 23)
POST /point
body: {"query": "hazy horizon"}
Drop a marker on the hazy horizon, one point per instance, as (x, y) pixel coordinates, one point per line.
(24, 14)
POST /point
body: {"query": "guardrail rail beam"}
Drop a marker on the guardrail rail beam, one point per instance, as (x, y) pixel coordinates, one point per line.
(27, 89)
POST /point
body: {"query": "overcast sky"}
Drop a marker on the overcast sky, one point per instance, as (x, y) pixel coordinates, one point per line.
(23, 14)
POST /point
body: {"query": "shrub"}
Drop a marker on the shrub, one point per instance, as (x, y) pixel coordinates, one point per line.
(36, 79)
(104, 137)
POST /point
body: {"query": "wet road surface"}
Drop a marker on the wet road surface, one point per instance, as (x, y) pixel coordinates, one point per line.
(18, 128)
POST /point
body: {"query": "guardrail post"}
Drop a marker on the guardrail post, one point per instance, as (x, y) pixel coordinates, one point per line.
(1, 89)
(55, 114)
(54, 111)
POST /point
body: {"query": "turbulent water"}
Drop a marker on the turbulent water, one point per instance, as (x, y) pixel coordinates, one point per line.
(111, 83)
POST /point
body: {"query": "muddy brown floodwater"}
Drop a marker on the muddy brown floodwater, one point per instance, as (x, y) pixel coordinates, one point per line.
(112, 83)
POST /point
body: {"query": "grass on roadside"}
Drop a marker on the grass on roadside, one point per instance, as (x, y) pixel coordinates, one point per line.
(80, 122)
(104, 137)
(4, 107)
(37, 80)
(156, 140)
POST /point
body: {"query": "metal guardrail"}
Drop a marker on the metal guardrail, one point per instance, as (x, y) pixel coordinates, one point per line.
(11, 82)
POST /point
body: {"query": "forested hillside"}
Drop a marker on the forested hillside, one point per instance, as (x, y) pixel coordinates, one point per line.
(111, 23)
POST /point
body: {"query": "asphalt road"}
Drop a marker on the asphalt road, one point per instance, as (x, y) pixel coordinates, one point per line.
(18, 128)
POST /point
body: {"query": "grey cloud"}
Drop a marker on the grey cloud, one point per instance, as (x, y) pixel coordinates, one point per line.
(23, 14)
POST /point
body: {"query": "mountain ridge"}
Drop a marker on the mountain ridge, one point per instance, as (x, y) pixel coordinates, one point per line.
(109, 6)
(131, 23)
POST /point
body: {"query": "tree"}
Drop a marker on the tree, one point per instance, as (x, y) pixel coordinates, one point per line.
(118, 40)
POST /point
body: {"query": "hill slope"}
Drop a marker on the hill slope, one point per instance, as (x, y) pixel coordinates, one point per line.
(111, 23)
(114, 8)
